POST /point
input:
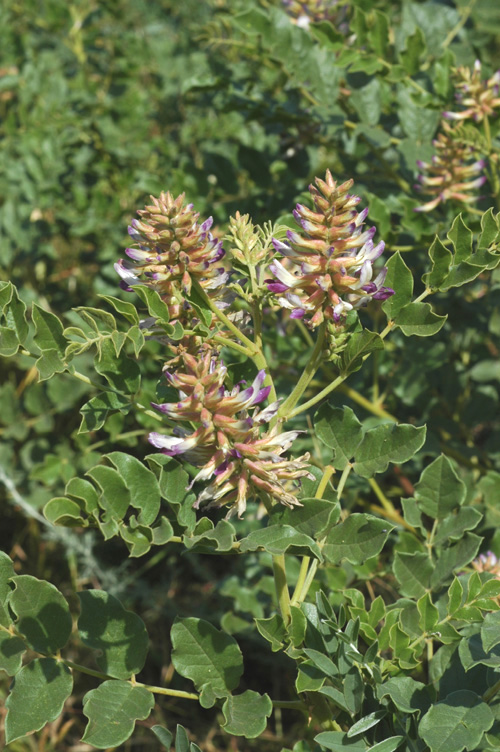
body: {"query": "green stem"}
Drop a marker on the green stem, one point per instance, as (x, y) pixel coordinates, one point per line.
(465, 13)
(251, 349)
(491, 692)
(307, 375)
(224, 319)
(314, 566)
(372, 407)
(329, 471)
(381, 496)
(290, 705)
(317, 398)
(340, 379)
(231, 344)
(149, 687)
(282, 592)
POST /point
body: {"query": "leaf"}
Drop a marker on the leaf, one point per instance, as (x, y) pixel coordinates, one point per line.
(490, 631)
(489, 230)
(220, 538)
(156, 307)
(7, 571)
(419, 319)
(456, 723)
(310, 678)
(454, 526)
(207, 656)
(415, 48)
(322, 662)
(12, 650)
(455, 557)
(313, 517)
(9, 343)
(387, 745)
(95, 412)
(49, 331)
(461, 237)
(181, 739)
(400, 279)
(82, 489)
(63, 511)
(338, 741)
(368, 722)
(356, 539)
(384, 444)
(49, 363)
(43, 616)
(472, 653)
(121, 373)
(199, 305)
(112, 710)
(273, 630)
(359, 345)
(340, 430)
(163, 735)
(297, 627)
(173, 478)
(353, 688)
(442, 259)
(429, 615)
(440, 491)
(115, 496)
(455, 595)
(14, 312)
(141, 483)
(127, 310)
(246, 714)
(413, 571)
(119, 634)
(407, 694)
(37, 695)
(279, 539)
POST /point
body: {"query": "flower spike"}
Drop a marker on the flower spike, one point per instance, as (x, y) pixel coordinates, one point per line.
(450, 175)
(327, 267)
(227, 443)
(171, 249)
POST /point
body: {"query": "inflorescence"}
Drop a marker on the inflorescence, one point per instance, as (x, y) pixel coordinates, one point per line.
(329, 263)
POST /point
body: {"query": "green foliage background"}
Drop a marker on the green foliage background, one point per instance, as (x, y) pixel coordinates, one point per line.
(105, 103)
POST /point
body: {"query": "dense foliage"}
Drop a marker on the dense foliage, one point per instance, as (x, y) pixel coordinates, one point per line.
(248, 463)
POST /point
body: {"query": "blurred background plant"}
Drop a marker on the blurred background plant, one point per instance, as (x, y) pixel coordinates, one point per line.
(238, 105)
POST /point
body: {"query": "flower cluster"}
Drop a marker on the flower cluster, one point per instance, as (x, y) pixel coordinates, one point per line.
(329, 264)
(305, 12)
(480, 98)
(171, 249)
(487, 562)
(226, 443)
(451, 174)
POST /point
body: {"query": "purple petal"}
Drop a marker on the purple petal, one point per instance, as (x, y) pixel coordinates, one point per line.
(276, 287)
(207, 224)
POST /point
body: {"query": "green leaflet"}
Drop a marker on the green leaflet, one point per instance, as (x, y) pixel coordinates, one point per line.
(112, 710)
(43, 616)
(356, 539)
(384, 444)
(210, 658)
(37, 696)
(246, 714)
(456, 723)
(118, 634)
